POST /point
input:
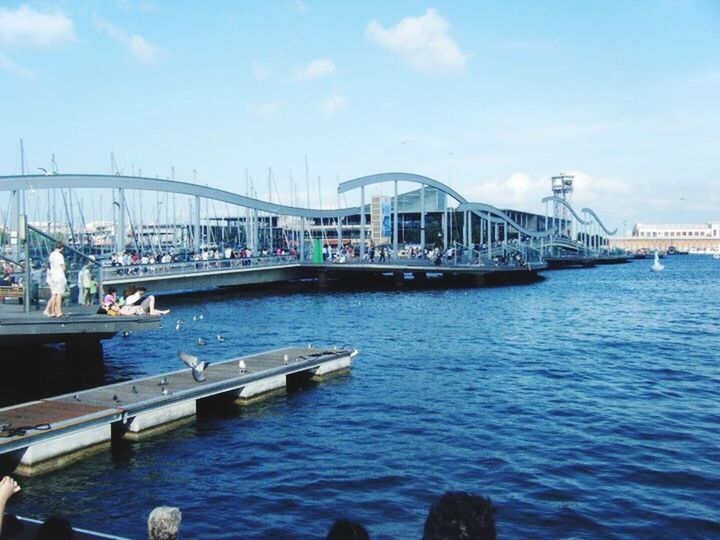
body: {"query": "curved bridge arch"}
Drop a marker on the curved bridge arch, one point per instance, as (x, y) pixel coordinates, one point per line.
(602, 225)
(480, 207)
(101, 181)
(400, 177)
(566, 205)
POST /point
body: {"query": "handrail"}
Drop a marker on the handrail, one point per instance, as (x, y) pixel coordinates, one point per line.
(400, 177)
(480, 207)
(566, 205)
(103, 181)
(593, 214)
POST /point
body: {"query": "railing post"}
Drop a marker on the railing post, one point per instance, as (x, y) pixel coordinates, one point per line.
(395, 224)
(27, 290)
(362, 222)
(422, 216)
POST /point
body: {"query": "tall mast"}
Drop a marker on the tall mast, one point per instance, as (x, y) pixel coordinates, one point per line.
(307, 181)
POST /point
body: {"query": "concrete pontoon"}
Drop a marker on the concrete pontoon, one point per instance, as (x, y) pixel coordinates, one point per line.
(50, 433)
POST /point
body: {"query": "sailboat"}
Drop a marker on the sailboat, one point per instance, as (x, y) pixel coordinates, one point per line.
(657, 267)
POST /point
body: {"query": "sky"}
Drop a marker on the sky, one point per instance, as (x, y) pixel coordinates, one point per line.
(492, 98)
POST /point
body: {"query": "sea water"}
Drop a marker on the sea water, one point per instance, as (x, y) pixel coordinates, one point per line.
(585, 405)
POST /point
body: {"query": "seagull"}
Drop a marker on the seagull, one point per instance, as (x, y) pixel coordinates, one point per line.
(285, 359)
(134, 390)
(178, 324)
(126, 333)
(200, 341)
(165, 391)
(242, 366)
(76, 397)
(115, 398)
(220, 338)
(45, 171)
(201, 317)
(192, 363)
(163, 382)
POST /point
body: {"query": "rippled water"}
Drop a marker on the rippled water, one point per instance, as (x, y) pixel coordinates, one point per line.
(585, 405)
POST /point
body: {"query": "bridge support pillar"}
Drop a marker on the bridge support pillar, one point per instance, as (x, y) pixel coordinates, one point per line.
(396, 224)
(398, 279)
(323, 281)
(196, 232)
(362, 223)
(445, 227)
(422, 216)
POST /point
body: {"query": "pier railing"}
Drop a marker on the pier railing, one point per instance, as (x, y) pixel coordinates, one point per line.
(120, 272)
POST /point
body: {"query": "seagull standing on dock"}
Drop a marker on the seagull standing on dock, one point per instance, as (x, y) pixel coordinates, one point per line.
(197, 367)
(242, 366)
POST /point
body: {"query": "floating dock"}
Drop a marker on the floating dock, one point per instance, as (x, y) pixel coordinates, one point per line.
(47, 434)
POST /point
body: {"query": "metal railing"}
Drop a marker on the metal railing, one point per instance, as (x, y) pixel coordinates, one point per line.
(138, 271)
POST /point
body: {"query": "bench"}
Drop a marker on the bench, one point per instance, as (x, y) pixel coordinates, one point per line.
(8, 291)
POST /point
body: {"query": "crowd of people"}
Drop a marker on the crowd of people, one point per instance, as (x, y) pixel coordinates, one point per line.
(454, 516)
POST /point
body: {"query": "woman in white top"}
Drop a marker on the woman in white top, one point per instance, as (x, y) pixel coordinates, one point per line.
(56, 281)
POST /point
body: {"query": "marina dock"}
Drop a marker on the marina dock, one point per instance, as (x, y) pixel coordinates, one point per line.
(47, 434)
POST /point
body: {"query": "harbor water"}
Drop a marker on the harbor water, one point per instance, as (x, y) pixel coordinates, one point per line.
(586, 405)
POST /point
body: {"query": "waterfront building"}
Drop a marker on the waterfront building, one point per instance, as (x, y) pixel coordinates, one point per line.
(702, 237)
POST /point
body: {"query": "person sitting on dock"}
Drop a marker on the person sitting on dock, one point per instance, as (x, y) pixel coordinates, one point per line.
(8, 488)
(110, 304)
(7, 279)
(164, 523)
(147, 304)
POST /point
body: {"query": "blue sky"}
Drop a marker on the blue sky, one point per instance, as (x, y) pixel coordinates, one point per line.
(492, 97)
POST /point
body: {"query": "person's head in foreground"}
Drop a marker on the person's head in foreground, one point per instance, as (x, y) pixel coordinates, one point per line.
(458, 516)
(164, 523)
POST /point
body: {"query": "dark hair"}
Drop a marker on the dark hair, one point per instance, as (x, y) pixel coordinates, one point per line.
(344, 529)
(55, 528)
(59, 245)
(111, 290)
(143, 289)
(460, 515)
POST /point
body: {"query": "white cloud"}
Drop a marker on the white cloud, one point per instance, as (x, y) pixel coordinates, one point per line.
(523, 192)
(29, 27)
(299, 6)
(12, 67)
(315, 70)
(333, 103)
(422, 41)
(269, 110)
(137, 45)
(260, 71)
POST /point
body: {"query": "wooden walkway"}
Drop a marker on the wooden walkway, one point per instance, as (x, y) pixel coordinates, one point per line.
(36, 423)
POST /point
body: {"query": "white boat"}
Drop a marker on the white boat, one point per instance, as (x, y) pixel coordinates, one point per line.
(656, 266)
